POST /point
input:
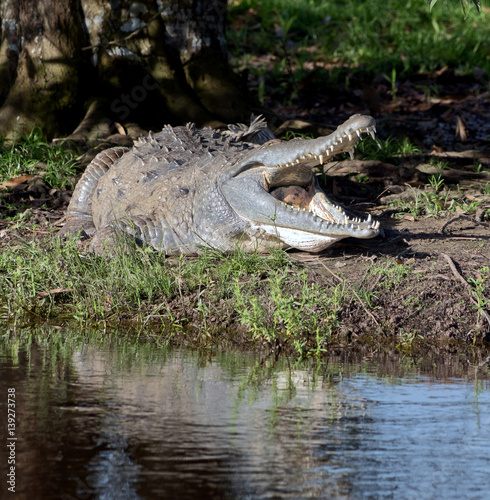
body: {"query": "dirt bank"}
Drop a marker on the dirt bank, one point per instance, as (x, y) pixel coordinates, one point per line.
(422, 278)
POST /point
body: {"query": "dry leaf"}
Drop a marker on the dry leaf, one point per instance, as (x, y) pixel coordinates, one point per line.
(120, 128)
(461, 129)
(15, 182)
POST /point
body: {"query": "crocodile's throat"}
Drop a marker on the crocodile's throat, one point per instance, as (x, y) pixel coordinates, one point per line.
(294, 186)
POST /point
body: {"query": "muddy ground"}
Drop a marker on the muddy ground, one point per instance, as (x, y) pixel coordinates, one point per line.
(429, 298)
(442, 256)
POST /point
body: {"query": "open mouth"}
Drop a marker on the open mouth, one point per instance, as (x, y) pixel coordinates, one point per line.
(297, 188)
(278, 190)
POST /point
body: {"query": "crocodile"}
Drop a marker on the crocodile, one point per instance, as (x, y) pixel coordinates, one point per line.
(184, 188)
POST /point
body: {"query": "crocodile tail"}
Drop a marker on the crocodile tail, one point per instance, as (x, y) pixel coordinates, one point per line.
(79, 212)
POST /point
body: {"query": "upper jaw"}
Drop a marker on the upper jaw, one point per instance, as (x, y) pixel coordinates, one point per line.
(312, 152)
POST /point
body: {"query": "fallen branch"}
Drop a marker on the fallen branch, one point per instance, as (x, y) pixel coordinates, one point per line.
(467, 286)
(464, 217)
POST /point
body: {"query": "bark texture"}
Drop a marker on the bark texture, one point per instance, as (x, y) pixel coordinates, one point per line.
(151, 62)
(41, 64)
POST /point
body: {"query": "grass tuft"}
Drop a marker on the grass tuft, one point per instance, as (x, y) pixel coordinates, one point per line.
(31, 154)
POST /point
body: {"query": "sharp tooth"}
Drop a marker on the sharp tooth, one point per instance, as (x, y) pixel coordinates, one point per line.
(331, 149)
(369, 218)
(350, 137)
(358, 133)
(321, 159)
(351, 153)
(371, 133)
(341, 139)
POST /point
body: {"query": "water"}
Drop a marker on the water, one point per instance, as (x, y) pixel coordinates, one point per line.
(110, 418)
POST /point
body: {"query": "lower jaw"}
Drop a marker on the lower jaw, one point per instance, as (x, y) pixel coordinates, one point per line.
(299, 239)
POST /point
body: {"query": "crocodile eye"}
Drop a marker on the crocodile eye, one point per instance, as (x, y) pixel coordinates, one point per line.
(183, 191)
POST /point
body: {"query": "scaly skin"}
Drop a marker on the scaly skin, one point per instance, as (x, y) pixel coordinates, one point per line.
(183, 189)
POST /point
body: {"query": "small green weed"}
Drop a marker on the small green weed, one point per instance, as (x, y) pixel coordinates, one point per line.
(438, 163)
(428, 203)
(436, 181)
(406, 339)
(481, 287)
(392, 273)
(388, 150)
(306, 311)
(392, 81)
(368, 296)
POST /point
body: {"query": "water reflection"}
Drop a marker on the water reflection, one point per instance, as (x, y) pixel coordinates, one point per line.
(110, 418)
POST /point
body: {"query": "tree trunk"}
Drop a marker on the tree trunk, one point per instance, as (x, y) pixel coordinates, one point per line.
(41, 64)
(151, 62)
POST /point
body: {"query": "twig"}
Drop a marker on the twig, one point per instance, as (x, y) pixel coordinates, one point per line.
(467, 286)
(462, 238)
(465, 217)
(354, 292)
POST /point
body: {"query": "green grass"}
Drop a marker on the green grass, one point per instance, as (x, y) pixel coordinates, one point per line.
(391, 273)
(394, 39)
(267, 294)
(32, 155)
(389, 150)
(480, 285)
(434, 199)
